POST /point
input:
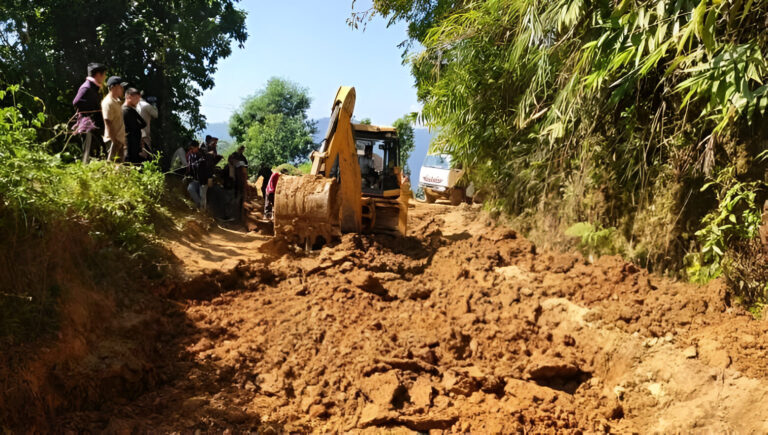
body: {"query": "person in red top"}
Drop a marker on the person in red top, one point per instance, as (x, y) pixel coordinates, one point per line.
(269, 201)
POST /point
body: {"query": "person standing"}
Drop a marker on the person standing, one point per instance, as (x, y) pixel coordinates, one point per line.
(239, 155)
(134, 124)
(236, 160)
(89, 118)
(264, 172)
(269, 200)
(207, 169)
(179, 161)
(148, 112)
(196, 162)
(112, 111)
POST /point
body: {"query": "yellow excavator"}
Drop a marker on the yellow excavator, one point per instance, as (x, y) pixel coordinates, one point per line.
(354, 186)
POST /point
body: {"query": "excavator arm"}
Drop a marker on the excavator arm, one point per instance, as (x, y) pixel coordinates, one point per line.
(340, 160)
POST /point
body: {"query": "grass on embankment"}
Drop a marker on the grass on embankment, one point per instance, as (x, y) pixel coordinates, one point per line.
(56, 217)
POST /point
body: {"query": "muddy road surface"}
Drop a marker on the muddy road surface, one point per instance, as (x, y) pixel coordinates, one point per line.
(460, 327)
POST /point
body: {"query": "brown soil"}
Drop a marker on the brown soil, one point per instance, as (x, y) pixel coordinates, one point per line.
(460, 327)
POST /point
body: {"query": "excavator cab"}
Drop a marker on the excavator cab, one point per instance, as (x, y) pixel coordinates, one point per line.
(379, 171)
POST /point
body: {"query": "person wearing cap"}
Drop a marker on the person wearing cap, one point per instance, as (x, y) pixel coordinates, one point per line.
(89, 121)
(134, 124)
(112, 111)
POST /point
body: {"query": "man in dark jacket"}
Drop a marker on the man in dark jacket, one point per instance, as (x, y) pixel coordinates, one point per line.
(239, 155)
(133, 125)
(265, 172)
(87, 102)
(196, 170)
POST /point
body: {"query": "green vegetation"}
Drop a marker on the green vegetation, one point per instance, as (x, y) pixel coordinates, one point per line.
(168, 49)
(729, 239)
(58, 216)
(273, 124)
(595, 241)
(305, 167)
(611, 112)
(404, 128)
(36, 188)
(43, 198)
(292, 170)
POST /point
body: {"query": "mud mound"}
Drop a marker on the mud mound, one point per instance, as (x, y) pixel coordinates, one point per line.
(461, 327)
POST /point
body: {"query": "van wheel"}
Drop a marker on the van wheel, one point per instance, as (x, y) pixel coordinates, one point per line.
(457, 196)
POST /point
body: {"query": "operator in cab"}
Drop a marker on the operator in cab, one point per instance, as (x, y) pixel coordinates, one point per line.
(367, 167)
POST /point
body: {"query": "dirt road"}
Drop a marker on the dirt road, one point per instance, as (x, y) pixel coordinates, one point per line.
(459, 327)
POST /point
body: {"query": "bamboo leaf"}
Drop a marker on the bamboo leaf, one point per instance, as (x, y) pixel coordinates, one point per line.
(747, 7)
(708, 30)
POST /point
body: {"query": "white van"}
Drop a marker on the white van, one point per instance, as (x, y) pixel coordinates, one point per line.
(438, 179)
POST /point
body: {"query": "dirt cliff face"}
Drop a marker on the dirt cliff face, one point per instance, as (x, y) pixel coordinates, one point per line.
(460, 327)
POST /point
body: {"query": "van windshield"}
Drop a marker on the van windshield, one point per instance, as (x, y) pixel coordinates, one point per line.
(438, 161)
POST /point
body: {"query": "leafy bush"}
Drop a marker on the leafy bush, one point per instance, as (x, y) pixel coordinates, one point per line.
(305, 167)
(37, 188)
(50, 209)
(736, 219)
(625, 105)
(729, 240)
(595, 240)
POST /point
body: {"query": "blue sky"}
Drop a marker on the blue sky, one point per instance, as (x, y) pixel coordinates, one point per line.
(310, 43)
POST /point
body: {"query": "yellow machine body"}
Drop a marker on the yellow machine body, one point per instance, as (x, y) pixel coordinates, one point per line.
(330, 200)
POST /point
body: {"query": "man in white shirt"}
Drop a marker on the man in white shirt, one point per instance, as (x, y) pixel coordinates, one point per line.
(367, 167)
(148, 112)
(114, 127)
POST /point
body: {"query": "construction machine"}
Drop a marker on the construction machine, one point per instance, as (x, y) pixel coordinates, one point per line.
(338, 196)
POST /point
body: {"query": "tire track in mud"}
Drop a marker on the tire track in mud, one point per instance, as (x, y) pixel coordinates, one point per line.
(462, 327)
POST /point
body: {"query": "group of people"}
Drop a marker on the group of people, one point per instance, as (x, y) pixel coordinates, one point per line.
(117, 125)
(211, 188)
(201, 161)
(220, 191)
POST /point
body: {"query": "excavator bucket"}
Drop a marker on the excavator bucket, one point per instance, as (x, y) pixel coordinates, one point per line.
(307, 209)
